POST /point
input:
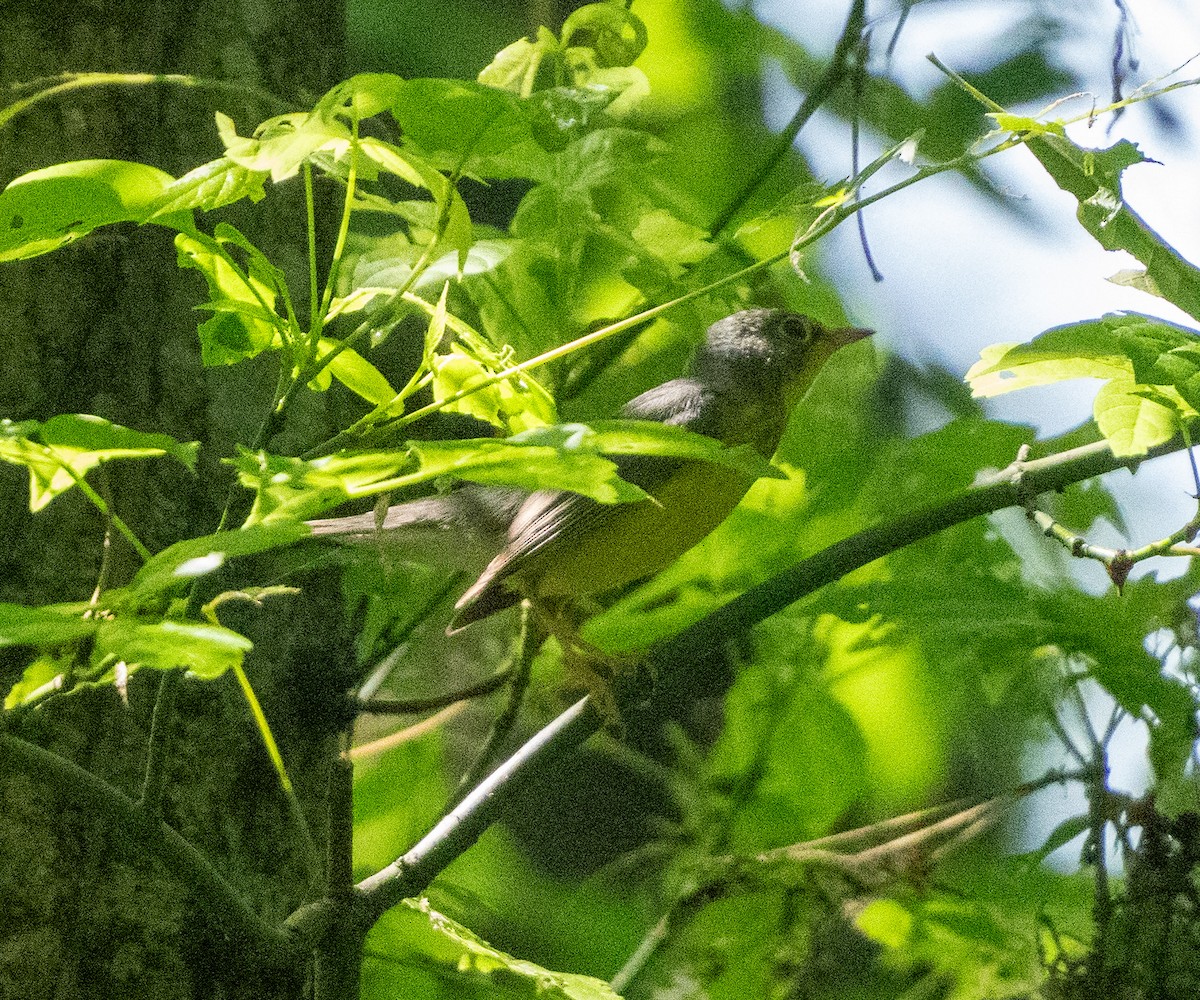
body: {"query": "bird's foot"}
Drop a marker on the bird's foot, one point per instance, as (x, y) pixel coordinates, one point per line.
(600, 673)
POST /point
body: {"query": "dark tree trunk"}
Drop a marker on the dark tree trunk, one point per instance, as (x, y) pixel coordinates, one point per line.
(106, 327)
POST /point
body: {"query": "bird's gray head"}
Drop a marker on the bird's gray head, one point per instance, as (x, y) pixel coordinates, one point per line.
(767, 348)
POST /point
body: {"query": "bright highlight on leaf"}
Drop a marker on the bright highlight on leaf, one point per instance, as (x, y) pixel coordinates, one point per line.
(415, 932)
(1151, 368)
(49, 208)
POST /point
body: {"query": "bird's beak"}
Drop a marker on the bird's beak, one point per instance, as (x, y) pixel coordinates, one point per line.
(848, 335)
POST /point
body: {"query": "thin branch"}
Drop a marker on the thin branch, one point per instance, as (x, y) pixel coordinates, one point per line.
(528, 644)
(641, 955)
(158, 745)
(414, 706)
(69, 82)
(834, 73)
(412, 872)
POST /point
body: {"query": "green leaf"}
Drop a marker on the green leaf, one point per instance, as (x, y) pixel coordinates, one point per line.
(282, 144)
(527, 466)
(1131, 420)
(386, 264)
(524, 66)
(356, 373)
(458, 117)
(568, 457)
(179, 564)
(1093, 176)
(645, 437)
(294, 489)
(515, 404)
(1152, 370)
(46, 627)
(1026, 125)
(672, 241)
(245, 323)
(65, 448)
(49, 208)
(213, 185)
(42, 677)
(614, 33)
(205, 650)
(400, 163)
(1079, 350)
(1063, 834)
(364, 95)
(413, 933)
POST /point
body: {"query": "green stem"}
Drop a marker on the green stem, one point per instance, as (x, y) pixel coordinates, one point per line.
(98, 502)
(833, 75)
(415, 706)
(83, 81)
(289, 792)
(153, 780)
(310, 211)
(339, 247)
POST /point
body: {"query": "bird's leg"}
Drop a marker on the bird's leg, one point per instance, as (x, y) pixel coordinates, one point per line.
(595, 669)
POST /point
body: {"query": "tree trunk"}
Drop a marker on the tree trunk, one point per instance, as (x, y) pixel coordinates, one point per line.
(106, 326)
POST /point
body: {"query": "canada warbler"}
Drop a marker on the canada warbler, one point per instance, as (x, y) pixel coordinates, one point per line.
(744, 379)
(556, 547)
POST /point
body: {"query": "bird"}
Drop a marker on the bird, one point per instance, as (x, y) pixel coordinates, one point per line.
(558, 549)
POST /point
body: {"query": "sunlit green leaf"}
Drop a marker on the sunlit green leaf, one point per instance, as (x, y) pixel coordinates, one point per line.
(517, 67)
(246, 325)
(1133, 422)
(176, 566)
(45, 627)
(205, 650)
(294, 489)
(528, 466)
(49, 208)
(415, 933)
(355, 372)
(213, 185)
(280, 145)
(65, 448)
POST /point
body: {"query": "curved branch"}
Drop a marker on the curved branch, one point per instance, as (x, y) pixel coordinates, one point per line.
(253, 937)
(1007, 488)
(413, 871)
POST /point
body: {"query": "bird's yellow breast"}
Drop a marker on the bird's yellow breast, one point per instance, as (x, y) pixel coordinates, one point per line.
(641, 538)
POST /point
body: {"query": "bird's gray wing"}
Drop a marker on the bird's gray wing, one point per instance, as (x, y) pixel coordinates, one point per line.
(549, 515)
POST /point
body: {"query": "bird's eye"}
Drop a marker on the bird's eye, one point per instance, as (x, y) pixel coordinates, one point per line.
(801, 329)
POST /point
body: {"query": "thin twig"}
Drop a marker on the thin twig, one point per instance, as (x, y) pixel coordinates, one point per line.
(529, 641)
(834, 73)
(432, 703)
